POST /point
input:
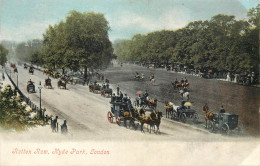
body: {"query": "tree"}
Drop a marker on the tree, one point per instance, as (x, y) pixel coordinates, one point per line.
(81, 41)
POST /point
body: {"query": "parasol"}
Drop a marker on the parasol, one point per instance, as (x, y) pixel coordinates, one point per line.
(139, 92)
(187, 104)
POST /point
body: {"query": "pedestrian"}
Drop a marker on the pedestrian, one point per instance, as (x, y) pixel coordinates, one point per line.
(3, 76)
(117, 90)
(222, 110)
(64, 128)
(54, 124)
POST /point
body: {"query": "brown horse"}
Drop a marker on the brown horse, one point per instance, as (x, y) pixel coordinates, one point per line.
(168, 109)
(153, 120)
(208, 117)
(176, 85)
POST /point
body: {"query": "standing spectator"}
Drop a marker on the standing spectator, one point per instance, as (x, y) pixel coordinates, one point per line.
(3, 76)
(117, 90)
(64, 128)
(54, 124)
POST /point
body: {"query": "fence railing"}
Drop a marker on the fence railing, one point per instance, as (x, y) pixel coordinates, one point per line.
(45, 117)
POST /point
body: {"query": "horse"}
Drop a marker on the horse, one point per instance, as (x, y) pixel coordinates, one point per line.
(185, 85)
(209, 116)
(185, 95)
(152, 80)
(153, 120)
(151, 102)
(168, 108)
(176, 85)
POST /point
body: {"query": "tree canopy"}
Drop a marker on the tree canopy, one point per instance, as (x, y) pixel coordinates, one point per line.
(81, 41)
(3, 54)
(222, 43)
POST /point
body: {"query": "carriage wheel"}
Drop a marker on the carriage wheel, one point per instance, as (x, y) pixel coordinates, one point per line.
(183, 117)
(212, 126)
(109, 117)
(195, 117)
(118, 121)
(174, 115)
(225, 129)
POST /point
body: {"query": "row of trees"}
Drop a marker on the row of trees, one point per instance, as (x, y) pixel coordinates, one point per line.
(79, 42)
(223, 43)
(3, 54)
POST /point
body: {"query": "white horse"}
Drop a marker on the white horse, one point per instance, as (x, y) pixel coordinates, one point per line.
(185, 95)
(152, 80)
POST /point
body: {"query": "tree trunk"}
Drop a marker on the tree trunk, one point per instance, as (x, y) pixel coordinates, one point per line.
(85, 72)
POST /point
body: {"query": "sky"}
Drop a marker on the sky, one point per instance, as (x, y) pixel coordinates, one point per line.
(22, 20)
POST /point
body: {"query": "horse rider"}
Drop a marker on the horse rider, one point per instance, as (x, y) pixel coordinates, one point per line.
(146, 94)
(152, 77)
(176, 81)
(142, 75)
(182, 81)
(30, 81)
(205, 108)
(222, 110)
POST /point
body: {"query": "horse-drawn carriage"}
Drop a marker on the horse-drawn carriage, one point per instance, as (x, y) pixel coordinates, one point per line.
(122, 110)
(119, 110)
(62, 83)
(13, 65)
(31, 69)
(224, 122)
(15, 70)
(146, 102)
(47, 83)
(180, 85)
(181, 112)
(106, 91)
(95, 88)
(30, 87)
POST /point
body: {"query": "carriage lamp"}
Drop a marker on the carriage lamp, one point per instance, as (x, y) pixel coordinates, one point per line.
(40, 87)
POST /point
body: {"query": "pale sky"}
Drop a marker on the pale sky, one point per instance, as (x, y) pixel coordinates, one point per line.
(28, 19)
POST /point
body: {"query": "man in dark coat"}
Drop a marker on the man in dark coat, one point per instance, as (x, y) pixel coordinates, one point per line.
(222, 110)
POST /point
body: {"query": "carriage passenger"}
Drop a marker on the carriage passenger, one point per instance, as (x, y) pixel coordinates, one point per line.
(117, 90)
(222, 110)
(113, 98)
(145, 94)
